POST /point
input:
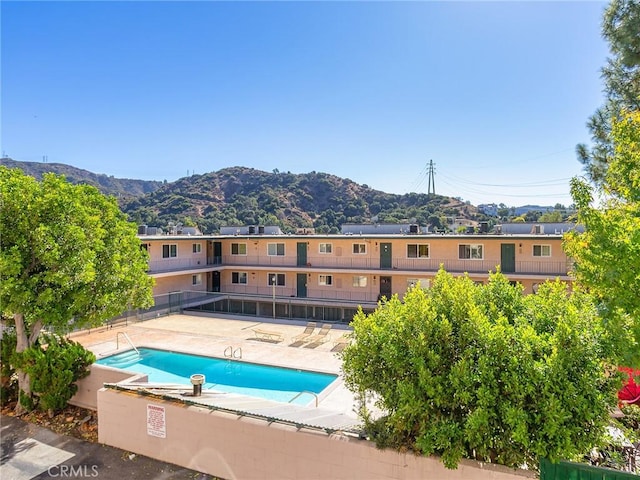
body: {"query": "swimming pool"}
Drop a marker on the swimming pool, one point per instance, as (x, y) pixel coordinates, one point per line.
(256, 380)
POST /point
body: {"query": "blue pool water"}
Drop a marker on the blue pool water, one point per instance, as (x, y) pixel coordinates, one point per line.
(264, 381)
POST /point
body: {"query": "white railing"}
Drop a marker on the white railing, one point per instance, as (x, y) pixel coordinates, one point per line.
(126, 337)
(171, 264)
(542, 267)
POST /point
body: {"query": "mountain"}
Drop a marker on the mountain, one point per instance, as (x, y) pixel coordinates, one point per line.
(118, 187)
(246, 196)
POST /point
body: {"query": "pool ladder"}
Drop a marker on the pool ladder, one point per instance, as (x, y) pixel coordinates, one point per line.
(126, 337)
(230, 352)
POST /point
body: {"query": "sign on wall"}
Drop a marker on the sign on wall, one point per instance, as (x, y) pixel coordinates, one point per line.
(156, 421)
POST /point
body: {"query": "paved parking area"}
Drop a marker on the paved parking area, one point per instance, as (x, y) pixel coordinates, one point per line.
(28, 452)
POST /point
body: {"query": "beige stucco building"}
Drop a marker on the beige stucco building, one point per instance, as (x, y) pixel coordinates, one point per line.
(252, 270)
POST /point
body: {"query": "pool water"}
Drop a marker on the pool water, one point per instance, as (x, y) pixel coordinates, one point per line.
(256, 380)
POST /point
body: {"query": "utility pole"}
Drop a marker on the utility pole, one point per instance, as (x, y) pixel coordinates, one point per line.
(432, 179)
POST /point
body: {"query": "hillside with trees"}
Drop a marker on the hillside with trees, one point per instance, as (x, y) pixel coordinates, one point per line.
(246, 196)
(117, 187)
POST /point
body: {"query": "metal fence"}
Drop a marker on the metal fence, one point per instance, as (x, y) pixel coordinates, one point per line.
(580, 471)
(250, 305)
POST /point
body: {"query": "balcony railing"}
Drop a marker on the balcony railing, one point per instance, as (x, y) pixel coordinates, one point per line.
(175, 264)
(430, 265)
(255, 260)
(541, 267)
(286, 293)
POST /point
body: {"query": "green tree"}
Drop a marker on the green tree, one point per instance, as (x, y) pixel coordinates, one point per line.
(434, 221)
(532, 216)
(483, 371)
(68, 258)
(551, 217)
(620, 27)
(607, 254)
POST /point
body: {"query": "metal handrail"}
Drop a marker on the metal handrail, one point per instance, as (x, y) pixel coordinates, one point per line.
(229, 352)
(127, 339)
(302, 392)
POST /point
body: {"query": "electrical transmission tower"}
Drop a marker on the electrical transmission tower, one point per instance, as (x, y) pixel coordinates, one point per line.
(431, 187)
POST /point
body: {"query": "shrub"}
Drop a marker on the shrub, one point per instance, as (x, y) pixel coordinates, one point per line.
(8, 379)
(484, 372)
(54, 368)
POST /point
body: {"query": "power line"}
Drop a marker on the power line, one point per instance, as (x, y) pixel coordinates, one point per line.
(541, 183)
(419, 180)
(470, 188)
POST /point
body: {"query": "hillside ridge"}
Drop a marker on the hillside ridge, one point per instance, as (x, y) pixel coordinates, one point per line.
(248, 196)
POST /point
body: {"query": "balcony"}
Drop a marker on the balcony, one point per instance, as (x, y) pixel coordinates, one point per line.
(542, 267)
(363, 264)
(176, 264)
(258, 260)
(539, 267)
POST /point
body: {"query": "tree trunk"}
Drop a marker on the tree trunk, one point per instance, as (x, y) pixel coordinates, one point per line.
(25, 337)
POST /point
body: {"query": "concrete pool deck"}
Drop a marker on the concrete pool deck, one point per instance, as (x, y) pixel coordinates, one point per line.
(214, 335)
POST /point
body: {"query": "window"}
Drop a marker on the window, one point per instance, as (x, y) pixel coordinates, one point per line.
(325, 280)
(542, 250)
(276, 278)
(169, 251)
(359, 281)
(239, 277)
(275, 249)
(359, 248)
(325, 248)
(418, 250)
(196, 279)
(238, 249)
(197, 248)
(424, 282)
(471, 251)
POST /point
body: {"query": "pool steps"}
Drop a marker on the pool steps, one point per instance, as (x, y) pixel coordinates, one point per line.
(303, 392)
(126, 359)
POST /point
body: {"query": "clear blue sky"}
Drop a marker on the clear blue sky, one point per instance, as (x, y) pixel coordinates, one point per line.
(497, 94)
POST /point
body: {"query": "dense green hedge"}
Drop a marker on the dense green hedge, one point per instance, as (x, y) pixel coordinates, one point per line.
(482, 371)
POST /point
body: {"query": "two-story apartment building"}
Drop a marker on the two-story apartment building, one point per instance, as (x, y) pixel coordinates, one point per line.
(260, 270)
